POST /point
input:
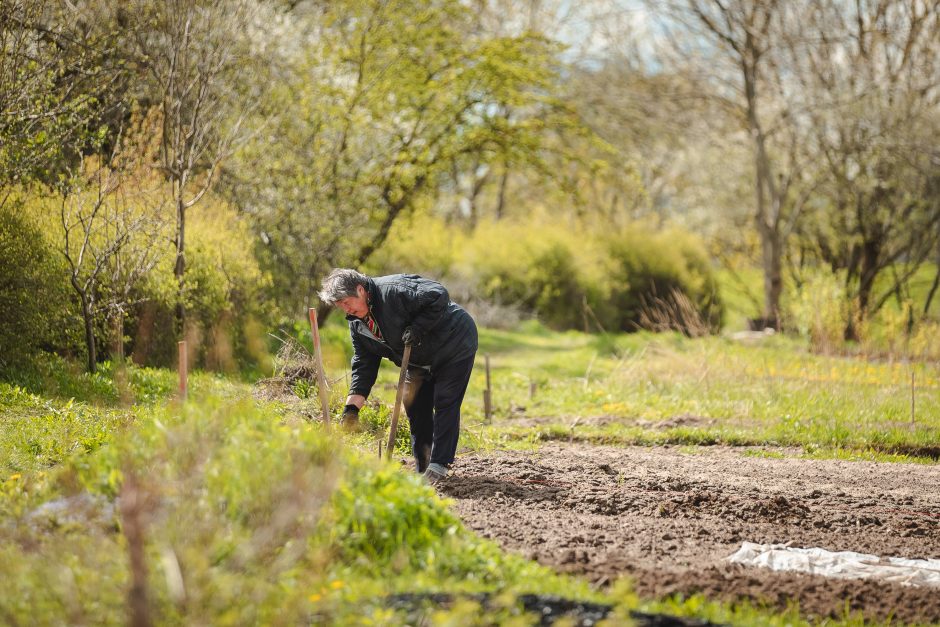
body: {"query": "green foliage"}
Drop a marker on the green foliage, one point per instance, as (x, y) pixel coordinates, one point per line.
(535, 269)
(38, 433)
(819, 311)
(33, 290)
(225, 289)
(50, 375)
(57, 87)
(267, 519)
(233, 502)
(383, 514)
(224, 298)
(372, 120)
(647, 267)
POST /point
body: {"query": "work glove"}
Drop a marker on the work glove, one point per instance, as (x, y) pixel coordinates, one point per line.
(351, 417)
(411, 336)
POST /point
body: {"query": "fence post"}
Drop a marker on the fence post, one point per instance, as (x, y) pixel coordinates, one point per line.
(321, 376)
(488, 392)
(181, 346)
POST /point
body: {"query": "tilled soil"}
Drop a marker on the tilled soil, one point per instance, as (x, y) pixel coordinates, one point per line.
(668, 518)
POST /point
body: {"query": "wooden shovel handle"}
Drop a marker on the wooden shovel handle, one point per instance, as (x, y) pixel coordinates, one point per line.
(396, 409)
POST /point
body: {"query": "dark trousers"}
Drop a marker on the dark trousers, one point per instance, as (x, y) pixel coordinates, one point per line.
(432, 403)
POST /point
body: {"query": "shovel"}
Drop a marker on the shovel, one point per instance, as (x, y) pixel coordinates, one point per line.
(396, 409)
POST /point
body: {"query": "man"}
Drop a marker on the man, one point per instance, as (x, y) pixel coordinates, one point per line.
(384, 314)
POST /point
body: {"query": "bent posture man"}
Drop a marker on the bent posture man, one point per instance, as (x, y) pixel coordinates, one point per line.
(384, 314)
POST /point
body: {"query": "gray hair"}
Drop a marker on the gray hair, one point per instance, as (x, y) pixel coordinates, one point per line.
(341, 283)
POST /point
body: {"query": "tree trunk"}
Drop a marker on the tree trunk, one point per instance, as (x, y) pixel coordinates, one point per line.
(933, 290)
(180, 268)
(501, 199)
(89, 334)
(870, 252)
(772, 249)
(767, 225)
(117, 336)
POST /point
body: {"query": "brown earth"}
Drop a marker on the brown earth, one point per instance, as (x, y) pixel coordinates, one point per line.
(668, 517)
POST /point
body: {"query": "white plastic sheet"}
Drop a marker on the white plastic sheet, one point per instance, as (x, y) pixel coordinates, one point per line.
(842, 564)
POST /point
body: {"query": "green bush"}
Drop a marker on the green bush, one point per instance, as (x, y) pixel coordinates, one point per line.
(226, 310)
(381, 514)
(569, 276)
(34, 293)
(652, 269)
(573, 279)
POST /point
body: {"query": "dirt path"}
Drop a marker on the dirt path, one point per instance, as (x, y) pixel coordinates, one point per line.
(668, 518)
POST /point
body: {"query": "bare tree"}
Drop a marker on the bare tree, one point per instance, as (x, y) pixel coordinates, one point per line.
(57, 84)
(736, 45)
(871, 84)
(192, 51)
(105, 236)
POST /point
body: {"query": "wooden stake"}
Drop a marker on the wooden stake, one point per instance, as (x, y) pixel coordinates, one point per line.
(321, 376)
(488, 392)
(396, 410)
(181, 346)
(132, 509)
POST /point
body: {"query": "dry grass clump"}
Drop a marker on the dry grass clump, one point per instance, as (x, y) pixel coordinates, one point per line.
(673, 312)
(295, 373)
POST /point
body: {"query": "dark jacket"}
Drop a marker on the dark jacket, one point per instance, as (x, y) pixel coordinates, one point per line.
(447, 332)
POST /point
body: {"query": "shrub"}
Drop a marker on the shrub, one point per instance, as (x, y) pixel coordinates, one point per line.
(568, 276)
(34, 295)
(667, 267)
(225, 303)
(540, 269)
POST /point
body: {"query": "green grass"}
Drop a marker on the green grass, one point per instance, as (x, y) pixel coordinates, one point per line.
(647, 389)
(668, 389)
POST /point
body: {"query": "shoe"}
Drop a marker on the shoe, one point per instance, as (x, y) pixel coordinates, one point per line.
(435, 473)
(422, 457)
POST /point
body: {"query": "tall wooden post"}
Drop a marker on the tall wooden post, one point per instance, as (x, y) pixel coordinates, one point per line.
(321, 376)
(181, 346)
(488, 392)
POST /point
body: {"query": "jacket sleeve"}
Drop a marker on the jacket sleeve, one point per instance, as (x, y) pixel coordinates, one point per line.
(428, 306)
(365, 368)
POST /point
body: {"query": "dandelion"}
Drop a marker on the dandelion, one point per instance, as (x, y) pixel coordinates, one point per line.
(336, 585)
(15, 476)
(313, 598)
